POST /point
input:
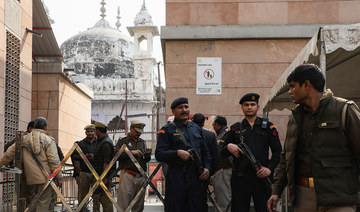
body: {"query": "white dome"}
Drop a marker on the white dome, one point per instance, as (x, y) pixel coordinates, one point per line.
(100, 51)
(143, 18)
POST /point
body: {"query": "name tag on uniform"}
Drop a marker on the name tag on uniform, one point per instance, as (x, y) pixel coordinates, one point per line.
(175, 134)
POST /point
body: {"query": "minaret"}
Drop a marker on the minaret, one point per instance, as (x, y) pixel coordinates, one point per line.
(144, 62)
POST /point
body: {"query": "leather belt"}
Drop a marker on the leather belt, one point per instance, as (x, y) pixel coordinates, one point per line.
(305, 181)
(134, 174)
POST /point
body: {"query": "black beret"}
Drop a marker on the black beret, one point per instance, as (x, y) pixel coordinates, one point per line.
(178, 102)
(252, 97)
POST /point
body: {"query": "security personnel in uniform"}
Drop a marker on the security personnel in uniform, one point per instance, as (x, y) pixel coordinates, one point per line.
(131, 180)
(184, 183)
(246, 182)
(103, 155)
(85, 177)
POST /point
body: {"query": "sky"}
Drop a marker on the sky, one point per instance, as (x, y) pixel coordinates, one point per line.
(74, 16)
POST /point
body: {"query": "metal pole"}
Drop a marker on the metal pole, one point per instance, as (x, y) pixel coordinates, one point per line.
(322, 55)
(160, 98)
(126, 112)
(20, 203)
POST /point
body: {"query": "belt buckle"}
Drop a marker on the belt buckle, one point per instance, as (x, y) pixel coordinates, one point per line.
(311, 182)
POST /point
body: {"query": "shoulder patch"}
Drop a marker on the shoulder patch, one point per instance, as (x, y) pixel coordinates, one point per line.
(273, 130)
(161, 131)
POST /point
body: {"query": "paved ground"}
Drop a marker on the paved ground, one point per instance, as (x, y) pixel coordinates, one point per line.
(152, 204)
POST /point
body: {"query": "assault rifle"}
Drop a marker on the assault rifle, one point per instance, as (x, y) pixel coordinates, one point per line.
(253, 161)
(197, 161)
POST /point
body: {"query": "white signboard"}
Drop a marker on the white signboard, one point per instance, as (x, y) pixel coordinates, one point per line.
(208, 75)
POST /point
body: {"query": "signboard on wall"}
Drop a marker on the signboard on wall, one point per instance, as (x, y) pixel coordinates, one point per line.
(208, 75)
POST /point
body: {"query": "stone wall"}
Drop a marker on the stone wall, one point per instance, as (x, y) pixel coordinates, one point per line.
(66, 107)
(252, 58)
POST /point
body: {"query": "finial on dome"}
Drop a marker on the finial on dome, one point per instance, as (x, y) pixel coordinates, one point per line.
(118, 24)
(102, 9)
(143, 6)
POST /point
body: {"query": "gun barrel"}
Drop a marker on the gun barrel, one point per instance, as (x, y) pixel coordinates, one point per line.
(254, 162)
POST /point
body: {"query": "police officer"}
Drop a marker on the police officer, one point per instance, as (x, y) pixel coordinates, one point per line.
(131, 180)
(103, 155)
(88, 147)
(246, 182)
(184, 182)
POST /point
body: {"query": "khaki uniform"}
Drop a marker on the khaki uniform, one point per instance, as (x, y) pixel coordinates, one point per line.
(131, 180)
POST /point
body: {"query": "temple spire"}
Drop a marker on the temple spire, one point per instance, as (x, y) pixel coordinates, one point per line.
(102, 9)
(118, 24)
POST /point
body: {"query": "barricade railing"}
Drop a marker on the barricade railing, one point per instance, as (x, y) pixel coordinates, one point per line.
(99, 179)
(143, 173)
(50, 178)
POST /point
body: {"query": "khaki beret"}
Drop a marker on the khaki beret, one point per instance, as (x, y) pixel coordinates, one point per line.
(90, 126)
(99, 124)
(138, 125)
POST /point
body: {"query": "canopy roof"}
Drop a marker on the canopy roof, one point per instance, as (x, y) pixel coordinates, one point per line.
(45, 48)
(342, 53)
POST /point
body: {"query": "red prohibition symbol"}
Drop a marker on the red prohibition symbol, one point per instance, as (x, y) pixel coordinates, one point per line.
(209, 74)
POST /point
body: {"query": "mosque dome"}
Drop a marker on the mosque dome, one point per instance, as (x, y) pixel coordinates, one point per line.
(100, 52)
(143, 18)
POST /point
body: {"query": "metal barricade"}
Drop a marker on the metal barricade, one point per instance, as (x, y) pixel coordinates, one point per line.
(68, 182)
(11, 200)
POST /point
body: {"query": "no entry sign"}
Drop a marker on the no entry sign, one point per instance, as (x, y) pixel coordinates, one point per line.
(208, 75)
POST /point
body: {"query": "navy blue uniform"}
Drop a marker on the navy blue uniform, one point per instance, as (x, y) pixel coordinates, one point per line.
(244, 182)
(184, 191)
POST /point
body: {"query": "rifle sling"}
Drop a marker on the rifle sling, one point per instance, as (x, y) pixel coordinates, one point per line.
(183, 138)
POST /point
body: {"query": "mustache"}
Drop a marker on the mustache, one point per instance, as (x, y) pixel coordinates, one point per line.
(184, 113)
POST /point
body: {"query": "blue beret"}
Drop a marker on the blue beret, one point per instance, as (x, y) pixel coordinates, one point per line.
(178, 102)
(251, 97)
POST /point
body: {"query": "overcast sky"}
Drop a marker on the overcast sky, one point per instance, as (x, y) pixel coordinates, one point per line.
(74, 16)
